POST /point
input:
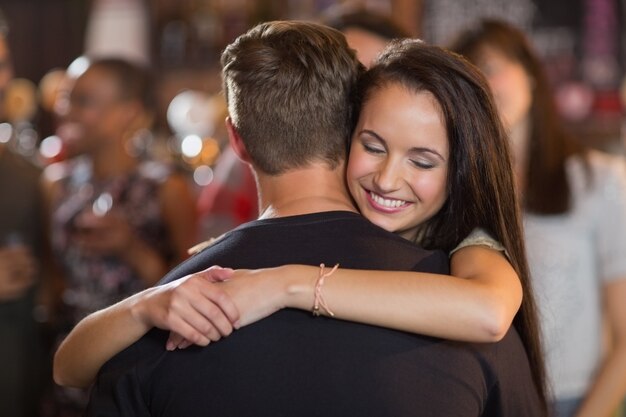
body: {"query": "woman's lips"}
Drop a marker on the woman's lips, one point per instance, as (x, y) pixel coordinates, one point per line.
(387, 205)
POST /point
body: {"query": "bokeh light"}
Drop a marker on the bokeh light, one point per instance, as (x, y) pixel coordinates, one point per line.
(203, 175)
(51, 147)
(191, 146)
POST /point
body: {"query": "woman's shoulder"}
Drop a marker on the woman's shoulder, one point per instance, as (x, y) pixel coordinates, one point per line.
(603, 171)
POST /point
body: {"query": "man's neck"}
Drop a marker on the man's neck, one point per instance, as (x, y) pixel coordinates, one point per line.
(308, 190)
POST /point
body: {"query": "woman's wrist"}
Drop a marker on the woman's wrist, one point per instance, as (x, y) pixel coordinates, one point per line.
(300, 285)
(138, 309)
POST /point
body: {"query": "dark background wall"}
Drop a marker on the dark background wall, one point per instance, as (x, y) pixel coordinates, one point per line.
(44, 34)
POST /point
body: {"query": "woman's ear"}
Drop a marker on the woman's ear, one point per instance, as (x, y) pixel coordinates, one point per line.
(235, 141)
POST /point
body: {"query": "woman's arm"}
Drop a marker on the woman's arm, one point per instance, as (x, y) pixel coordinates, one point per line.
(193, 306)
(609, 384)
(180, 215)
(477, 304)
(180, 218)
(609, 387)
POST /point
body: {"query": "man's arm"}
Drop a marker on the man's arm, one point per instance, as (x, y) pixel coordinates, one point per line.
(119, 390)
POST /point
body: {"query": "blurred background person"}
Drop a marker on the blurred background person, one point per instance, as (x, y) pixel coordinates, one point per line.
(575, 219)
(367, 32)
(118, 222)
(23, 365)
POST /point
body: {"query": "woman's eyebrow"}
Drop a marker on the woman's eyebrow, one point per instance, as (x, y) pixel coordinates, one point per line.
(421, 149)
(372, 133)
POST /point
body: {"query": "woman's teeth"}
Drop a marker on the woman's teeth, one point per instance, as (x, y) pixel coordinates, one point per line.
(385, 202)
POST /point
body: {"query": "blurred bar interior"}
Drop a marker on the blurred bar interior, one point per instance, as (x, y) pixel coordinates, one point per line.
(582, 42)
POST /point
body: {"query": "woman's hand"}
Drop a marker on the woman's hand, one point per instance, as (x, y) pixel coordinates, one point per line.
(256, 293)
(195, 307)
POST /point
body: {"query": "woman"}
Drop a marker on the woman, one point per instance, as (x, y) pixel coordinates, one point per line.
(574, 201)
(426, 129)
(118, 223)
(113, 216)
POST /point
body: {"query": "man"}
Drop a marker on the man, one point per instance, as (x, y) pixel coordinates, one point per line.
(289, 87)
(22, 366)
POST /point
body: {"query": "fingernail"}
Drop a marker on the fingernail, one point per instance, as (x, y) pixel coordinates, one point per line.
(237, 324)
(170, 346)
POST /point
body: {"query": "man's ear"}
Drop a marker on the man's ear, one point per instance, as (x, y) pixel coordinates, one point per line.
(236, 143)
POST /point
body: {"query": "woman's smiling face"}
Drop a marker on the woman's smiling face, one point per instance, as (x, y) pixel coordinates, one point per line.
(398, 164)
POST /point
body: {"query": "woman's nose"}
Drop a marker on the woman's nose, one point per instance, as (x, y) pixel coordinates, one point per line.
(388, 177)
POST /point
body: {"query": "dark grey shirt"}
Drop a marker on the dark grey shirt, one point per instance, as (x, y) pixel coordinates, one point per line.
(293, 364)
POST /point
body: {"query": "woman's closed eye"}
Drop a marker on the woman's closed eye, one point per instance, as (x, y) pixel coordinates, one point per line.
(423, 164)
(373, 149)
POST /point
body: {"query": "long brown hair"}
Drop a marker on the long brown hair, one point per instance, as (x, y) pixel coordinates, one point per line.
(480, 182)
(547, 188)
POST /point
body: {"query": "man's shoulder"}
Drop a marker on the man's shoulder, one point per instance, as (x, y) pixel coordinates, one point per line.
(345, 224)
(330, 237)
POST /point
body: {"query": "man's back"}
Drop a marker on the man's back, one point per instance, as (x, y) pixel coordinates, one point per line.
(294, 364)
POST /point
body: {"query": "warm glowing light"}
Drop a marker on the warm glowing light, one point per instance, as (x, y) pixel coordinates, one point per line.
(210, 151)
(191, 112)
(203, 175)
(191, 146)
(103, 204)
(51, 147)
(6, 132)
(77, 67)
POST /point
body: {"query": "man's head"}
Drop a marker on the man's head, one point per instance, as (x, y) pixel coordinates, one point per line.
(289, 88)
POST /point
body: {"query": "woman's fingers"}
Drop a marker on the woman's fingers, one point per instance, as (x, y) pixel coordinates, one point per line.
(220, 308)
(186, 331)
(197, 310)
(216, 273)
(176, 341)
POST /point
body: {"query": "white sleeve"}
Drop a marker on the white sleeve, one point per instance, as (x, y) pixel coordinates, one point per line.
(611, 232)
(481, 238)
